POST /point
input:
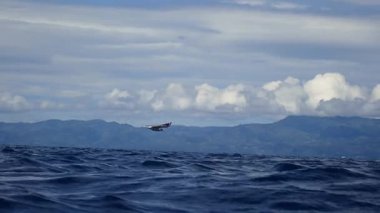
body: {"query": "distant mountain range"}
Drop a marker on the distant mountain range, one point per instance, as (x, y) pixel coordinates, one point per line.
(294, 136)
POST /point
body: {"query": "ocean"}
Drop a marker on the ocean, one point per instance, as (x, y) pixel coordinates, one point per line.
(48, 179)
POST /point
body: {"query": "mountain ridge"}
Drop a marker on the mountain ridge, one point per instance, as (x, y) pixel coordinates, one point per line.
(295, 135)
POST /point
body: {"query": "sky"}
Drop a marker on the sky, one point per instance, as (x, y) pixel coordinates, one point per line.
(193, 62)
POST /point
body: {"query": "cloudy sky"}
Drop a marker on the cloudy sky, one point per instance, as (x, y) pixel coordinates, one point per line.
(193, 62)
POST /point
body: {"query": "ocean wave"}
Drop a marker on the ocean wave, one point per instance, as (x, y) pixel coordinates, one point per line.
(51, 179)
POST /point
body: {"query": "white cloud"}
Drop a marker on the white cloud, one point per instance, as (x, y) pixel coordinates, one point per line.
(146, 96)
(271, 86)
(9, 102)
(288, 6)
(117, 95)
(250, 2)
(375, 96)
(211, 98)
(174, 97)
(118, 98)
(290, 95)
(325, 87)
(325, 94)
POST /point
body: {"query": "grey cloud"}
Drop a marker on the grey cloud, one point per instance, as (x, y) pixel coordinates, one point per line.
(362, 2)
(70, 54)
(280, 5)
(325, 94)
(340, 107)
(77, 40)
(21, 58)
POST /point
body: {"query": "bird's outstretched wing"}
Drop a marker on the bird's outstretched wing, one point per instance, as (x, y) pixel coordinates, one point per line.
(159, 127)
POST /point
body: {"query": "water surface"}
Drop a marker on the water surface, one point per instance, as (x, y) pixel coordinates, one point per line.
(45, 179)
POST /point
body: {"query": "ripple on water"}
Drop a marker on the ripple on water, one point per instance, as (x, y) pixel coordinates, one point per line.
(44, 179)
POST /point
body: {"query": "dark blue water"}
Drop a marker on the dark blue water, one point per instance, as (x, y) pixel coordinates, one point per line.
(42, 179)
